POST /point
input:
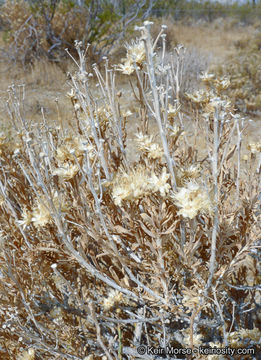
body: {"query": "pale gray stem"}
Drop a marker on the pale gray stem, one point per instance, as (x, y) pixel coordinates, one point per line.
(212, 262)
(156, 102)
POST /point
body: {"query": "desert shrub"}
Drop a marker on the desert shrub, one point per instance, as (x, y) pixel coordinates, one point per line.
(193, 10)
(100, 255)
(22, 31)
(245, 74)
(46, 27)
(247, 13)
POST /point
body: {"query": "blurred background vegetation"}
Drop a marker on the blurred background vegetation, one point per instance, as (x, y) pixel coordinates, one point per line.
(35, 36)
(36, 28)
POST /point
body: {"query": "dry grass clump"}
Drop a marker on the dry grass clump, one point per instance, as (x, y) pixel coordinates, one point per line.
(100, 255)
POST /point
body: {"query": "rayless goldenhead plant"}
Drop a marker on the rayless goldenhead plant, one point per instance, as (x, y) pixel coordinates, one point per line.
(105, 257)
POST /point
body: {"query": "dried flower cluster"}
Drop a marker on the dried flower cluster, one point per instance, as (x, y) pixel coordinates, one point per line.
(135, 57)
(148, 147)
(192, 200)
(138, 184)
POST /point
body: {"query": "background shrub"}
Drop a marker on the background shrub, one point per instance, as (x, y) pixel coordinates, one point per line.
(47, 27)
(245, 74)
